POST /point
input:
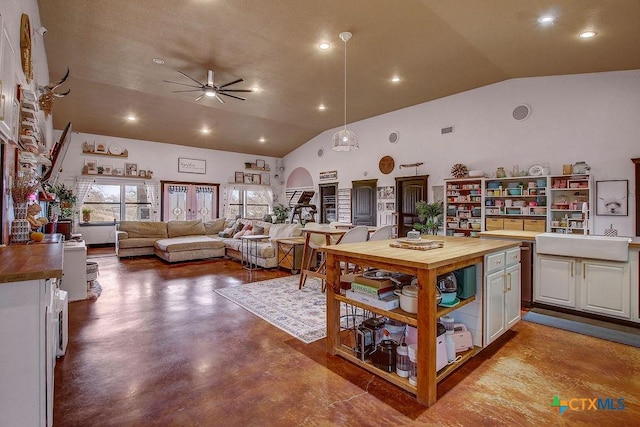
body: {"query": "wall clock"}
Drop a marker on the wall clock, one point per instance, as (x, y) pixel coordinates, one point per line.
(25, 47)
(386, 165)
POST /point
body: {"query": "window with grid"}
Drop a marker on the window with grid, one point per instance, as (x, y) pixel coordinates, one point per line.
(248, 203)
(111, 203)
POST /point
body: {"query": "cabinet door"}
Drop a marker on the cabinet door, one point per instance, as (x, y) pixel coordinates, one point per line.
(606, 288)
(495, 307)
(512, 297)
(556, 281)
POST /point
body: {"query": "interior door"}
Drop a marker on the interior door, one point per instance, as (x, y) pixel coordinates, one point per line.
(409, 190)
(363, 202)
(185, 201)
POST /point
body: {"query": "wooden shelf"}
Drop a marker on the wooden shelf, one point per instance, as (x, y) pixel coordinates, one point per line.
(396, 314)
(116, 176)
(466, 355)
(93, 153)
(265, 169)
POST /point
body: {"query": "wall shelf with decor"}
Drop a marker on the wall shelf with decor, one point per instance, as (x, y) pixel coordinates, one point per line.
(259, 165)
(116, 176)
(570, 202)
(121, 156)
(101, 149)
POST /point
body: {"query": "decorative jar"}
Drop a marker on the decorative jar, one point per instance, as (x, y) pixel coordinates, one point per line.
(500, 172)
(581, 168)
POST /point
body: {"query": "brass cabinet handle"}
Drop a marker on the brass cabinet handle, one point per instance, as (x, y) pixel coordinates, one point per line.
(509, 276)
(571, 268)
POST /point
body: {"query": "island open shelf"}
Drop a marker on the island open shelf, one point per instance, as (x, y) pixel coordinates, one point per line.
(458, 252)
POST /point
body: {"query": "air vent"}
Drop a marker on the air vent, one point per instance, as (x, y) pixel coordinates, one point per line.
(320, 152)
(393, 137)
(446, 130)
(521, 112)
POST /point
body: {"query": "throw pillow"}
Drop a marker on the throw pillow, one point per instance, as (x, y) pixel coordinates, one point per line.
(224, 234)
(214, 226)
(258, 230)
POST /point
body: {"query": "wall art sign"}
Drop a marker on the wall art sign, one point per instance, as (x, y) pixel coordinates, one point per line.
(612, 197)
(329, 175)
(186, 165)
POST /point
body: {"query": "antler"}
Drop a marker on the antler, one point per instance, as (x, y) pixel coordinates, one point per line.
(48, 94)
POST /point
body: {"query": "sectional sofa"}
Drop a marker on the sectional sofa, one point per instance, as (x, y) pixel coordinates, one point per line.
(175, 241)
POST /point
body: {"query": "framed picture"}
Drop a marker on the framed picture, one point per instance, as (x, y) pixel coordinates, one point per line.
(612, 197)
(265, 178)
(117, 171)
(107, 169)
(88, 147)
(145, 213)
(142, 173)
(239, 177)
(131, 169)
(186, 165)
(92, 166)
(248, 178)
(101, 148)
(259, 163)
(256, 178)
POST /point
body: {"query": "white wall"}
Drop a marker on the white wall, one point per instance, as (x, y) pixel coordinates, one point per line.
(589, 117)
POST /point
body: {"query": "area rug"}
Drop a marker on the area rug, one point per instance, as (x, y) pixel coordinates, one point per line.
(602, 332)
(300, 313)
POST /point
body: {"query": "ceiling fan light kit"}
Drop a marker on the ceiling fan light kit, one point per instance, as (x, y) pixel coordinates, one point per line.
(210, 89)
(345, 140)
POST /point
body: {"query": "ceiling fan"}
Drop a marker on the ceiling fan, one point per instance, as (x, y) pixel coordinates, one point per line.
(210, 89)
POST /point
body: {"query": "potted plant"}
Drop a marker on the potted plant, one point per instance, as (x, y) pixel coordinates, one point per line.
(86, 214)
(65, 197)
(430, 216)
(281, 212)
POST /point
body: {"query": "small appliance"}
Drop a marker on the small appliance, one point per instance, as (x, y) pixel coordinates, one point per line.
(462, 337)
(441, 348)
(384, 357)
(450, 345)
(364, 343)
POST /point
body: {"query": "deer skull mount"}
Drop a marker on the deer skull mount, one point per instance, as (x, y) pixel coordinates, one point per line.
(48, 94)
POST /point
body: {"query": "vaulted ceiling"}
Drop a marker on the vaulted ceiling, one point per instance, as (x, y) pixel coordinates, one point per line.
(436, 48)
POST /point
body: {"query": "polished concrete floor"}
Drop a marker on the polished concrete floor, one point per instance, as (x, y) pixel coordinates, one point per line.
(159, 347)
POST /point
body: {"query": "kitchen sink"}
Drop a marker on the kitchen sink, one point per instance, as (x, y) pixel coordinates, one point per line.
(584, 246)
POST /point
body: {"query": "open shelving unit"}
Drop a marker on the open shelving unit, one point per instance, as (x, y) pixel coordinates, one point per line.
(463, 207)
(570, 202)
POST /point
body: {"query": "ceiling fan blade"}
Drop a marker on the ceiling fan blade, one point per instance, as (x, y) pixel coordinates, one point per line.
(233, 96)
(189, 90)
(219, 99)
(230, 83)
(236, 90)
(199, 98)
(190, 78)
(209, 77)
(183, 84)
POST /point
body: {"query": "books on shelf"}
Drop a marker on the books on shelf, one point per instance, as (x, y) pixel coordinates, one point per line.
(387, 303)
(371, 291)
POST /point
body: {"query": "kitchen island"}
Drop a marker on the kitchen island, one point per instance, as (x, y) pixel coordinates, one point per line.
(492, 293)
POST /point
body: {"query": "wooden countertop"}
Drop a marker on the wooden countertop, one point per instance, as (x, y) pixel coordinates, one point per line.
(31, 262)
(456, 249)
(635, 243)
(523, 236)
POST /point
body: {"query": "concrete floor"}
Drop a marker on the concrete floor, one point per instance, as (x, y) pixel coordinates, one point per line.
(159, 347)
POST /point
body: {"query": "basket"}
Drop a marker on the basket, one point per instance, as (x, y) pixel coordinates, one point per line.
(611, 232)
(92, 271)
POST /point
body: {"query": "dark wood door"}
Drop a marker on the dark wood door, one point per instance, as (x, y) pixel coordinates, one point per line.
(363, 202)
(409, 190)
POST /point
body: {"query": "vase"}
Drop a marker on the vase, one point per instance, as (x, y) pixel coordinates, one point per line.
(20, 227)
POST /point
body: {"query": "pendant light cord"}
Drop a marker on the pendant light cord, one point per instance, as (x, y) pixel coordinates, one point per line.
(345, 85)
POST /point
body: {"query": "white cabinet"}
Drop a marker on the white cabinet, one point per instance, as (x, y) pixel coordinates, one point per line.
(502, 296)
(596, 286)
(27, 353)
(555, 281)
(606, 288)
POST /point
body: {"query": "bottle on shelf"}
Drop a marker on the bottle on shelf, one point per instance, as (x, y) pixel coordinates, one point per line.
(412, 351)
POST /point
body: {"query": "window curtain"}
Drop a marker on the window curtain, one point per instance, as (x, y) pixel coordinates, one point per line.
(83, 185)
(152, 195)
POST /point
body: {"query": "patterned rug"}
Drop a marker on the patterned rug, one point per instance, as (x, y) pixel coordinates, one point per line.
(300, 313)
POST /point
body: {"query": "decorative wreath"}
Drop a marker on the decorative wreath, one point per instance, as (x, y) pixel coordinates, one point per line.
(459, 170)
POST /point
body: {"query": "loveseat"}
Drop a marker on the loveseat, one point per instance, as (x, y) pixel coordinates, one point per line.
(189, 240)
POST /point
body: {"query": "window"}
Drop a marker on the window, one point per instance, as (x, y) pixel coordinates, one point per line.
(248, 203)
(112, 202)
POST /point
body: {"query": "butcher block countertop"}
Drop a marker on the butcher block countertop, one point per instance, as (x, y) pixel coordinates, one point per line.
(31, 262)
(523, 236)
(455, 249)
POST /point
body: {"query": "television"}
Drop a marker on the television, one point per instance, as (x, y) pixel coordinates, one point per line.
(58, 153)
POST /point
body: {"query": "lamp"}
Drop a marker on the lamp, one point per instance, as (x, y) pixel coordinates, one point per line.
(344, 139)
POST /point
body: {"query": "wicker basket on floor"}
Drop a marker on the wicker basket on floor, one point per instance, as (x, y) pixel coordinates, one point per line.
(92, 271)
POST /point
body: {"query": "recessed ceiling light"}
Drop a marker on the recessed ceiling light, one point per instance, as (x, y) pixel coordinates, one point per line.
(395, 79)
(256, 89)
(205, 131)
(324, 45)
(321, 107)
(132, 118)
(587, 34)
(546, 20)
(262, 139)
(158, 61)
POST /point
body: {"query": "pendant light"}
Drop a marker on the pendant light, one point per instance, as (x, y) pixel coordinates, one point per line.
(345, 140)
